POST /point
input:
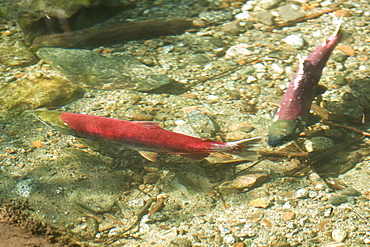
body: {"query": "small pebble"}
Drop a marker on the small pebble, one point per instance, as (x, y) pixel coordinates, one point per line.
(249, 180)
(229, 239)
(350, 192)
(288, 13)
(260, 203)
(339, 235)
(289, 215)
(337, 199)
(317, 181)
(277, 68)
(265, 18)
(236, 135)
(238, 50)
(267, 4)
(37, 144)
(245, 127)
(301, 193)
(239, 244)
(212, 98)
(340, 80)
(318, 143)
(25, 187)
(295, 41)
(266, 223)
(141, 116)
(180, 242)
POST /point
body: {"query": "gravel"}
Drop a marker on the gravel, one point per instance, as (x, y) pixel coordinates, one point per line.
(307, 200)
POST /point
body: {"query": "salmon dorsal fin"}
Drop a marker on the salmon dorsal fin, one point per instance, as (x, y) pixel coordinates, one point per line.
(151, 156)
(147, 124)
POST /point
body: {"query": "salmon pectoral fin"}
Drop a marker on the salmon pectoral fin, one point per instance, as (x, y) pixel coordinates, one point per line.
(151, 156)
(94, 145)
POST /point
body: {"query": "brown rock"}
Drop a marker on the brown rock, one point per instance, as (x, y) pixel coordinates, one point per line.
(288, 215)
(260, 203)
(37, 144)
(38, 92)
(246, 127)
(266, 223)
(249, 180)
(236, 135)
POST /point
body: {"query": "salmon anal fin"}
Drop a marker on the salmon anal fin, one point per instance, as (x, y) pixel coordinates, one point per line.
(94, 145)
(223, 158)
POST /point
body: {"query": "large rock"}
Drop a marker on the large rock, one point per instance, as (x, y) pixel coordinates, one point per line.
(38, 92)
(40, 17)
(92, 68)
(14, 53)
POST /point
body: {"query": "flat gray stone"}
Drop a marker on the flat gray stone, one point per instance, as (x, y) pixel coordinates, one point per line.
(92, 68)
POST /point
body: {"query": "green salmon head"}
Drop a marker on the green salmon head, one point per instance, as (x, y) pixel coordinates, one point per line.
(52, 118)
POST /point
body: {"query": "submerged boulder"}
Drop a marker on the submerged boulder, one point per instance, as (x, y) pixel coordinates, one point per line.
(42, 17)
(96, 70)
(27, 93)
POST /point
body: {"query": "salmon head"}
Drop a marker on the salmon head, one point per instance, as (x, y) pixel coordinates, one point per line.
(53, 119)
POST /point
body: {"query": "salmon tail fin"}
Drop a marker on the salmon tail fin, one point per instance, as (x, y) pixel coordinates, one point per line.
(236, 151)
(340, 22)
(247, 143)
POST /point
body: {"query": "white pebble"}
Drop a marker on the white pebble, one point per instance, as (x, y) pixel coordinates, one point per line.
(339, 235)
(180, 122)
(301, 193)
(212, 98)
(326, 3)
(247, 7)
(229, 239)
(362, 67)
(277, 68)
(242, 16)
(237, 50)
(287, 205)
(296, 41)
(251, 79)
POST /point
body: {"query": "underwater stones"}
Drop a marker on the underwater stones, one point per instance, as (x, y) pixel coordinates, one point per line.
(288, 13)
(40, 17)
(92, 68)
(38, 92)
(202, 123)
(268, 4)
(295, 41)
(14, 53)
(337, 199)
(318, 143)
(253, 179)
(25, 187)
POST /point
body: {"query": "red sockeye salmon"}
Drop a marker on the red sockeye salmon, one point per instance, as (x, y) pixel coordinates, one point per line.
(144, 136)
(291, 117)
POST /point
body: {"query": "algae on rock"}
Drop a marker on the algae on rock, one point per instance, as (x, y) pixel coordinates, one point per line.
(91, 68)
(24, 94)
